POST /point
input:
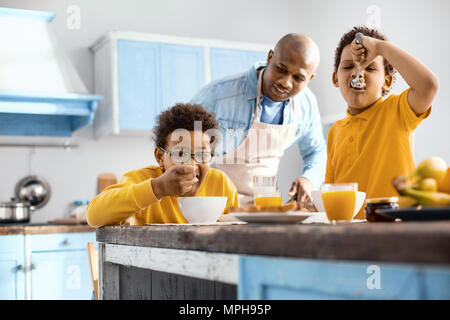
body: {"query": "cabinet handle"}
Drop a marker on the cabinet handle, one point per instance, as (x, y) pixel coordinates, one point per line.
(66, 242)
(32, 266)
(19, 267)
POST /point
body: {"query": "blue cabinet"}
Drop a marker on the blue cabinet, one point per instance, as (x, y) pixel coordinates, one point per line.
(153, 77)
(142, 78)
(60, 266)
(12, 267)
(50, 266)
(284, 278)
(140, 75)
(225, 62)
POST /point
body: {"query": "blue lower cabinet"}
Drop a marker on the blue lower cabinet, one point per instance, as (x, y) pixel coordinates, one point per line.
(285, 278)
(60, 266)
(60, 275)
(12, 267)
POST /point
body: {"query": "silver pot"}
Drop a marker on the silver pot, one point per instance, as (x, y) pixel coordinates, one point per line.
(32, 192)
(15, 211)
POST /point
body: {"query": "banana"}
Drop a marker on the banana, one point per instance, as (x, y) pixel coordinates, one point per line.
(428, 198)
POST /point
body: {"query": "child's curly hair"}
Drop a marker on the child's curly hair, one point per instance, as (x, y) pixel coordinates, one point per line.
(181, 116)
(347, 39)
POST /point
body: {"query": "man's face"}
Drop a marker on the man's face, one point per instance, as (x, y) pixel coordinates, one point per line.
(287, 73)
(373, 75)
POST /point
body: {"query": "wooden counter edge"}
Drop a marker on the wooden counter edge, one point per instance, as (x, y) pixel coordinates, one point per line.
(44, 229)
(405, 243)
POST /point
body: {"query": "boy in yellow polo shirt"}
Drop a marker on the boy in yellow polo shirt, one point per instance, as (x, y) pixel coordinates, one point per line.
(149, 195)
(373, 143)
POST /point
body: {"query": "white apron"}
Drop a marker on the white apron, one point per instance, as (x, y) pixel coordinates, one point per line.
(259, 154)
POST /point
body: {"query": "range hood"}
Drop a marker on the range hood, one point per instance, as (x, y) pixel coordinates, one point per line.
(41, 94)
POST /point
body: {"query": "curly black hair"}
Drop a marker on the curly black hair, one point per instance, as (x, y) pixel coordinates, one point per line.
(182, 116)
(347, 39)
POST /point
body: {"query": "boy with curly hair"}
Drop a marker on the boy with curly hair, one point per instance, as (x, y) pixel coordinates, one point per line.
(373, 143)
(149, 195)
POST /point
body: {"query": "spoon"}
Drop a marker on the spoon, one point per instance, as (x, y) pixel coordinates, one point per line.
(358, 82)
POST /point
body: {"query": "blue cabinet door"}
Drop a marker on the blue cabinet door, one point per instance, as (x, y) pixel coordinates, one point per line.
(153, 77)
(283, 278)
(12, 267)
(61, 275)
(139, 84)
(225, 62)
(182, 73)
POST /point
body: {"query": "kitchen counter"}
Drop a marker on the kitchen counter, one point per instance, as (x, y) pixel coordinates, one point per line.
(424, 242)
(167, 262)
(44, 228)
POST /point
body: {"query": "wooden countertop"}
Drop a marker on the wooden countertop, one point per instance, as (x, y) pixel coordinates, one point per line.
(10, 229)
(409, 242)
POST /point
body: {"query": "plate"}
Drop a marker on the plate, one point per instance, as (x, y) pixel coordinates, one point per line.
(410, 214)
(271, 217)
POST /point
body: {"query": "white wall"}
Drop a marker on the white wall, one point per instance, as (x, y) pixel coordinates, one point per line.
(419, 27)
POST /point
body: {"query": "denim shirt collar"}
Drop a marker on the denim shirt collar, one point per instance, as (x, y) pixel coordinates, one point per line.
(252, 79)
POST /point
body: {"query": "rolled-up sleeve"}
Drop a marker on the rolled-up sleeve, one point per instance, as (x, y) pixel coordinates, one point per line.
(313, 147)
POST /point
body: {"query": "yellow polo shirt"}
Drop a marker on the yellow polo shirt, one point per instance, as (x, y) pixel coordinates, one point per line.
(133, 198)
(373, 147)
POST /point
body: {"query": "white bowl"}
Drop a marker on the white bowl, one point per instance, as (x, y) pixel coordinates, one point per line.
(202, 209)
(317, 199)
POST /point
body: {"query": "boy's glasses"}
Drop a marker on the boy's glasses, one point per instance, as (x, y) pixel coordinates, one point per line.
(181, 156)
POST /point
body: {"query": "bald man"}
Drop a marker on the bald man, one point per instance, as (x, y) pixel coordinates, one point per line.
(265, 110)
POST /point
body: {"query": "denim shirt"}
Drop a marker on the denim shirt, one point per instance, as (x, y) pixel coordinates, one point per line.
(233, 100)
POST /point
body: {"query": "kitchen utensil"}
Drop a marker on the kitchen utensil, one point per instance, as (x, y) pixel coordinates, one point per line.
(202, 209)
(358, 82)
(412, 214)
(32, 192)
(318, 203)
(15, 211)
(33, 189)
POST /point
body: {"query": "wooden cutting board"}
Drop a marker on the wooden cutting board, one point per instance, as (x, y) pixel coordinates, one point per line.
(105, 180)
(68, 221)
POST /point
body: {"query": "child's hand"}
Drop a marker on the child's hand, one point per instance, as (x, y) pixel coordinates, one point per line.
(365, 52)
(177, 180)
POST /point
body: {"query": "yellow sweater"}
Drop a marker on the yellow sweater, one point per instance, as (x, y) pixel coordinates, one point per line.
(133, 198)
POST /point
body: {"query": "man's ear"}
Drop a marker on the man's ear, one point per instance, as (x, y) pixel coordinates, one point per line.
(388, 82)
(334, 79)
(269, 56)
(159, 154)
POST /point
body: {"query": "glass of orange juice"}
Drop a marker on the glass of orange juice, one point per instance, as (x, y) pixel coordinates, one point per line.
(265, 191)
(339, 200)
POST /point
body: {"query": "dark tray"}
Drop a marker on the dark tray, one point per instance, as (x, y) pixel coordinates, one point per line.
(412, 214)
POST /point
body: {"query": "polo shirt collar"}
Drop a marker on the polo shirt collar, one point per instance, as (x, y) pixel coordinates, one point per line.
(365, 115)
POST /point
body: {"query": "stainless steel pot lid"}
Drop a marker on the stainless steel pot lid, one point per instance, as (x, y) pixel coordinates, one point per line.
(13, 204)
(33, 189)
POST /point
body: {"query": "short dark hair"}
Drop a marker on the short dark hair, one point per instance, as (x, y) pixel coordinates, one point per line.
(181, 116)
(347, 39)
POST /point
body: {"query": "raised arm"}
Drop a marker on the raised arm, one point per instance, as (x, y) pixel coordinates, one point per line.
(423, 83)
